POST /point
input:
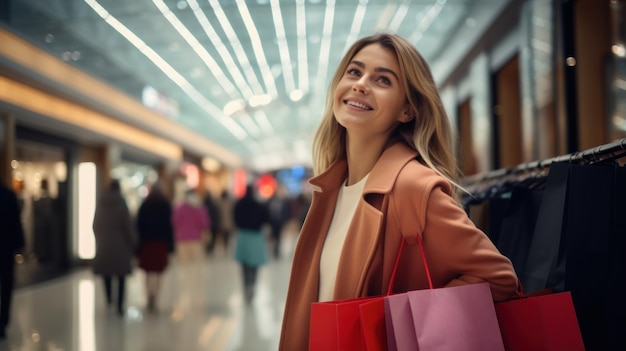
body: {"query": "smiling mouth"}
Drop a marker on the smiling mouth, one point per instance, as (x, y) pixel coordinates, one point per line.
(357, 104)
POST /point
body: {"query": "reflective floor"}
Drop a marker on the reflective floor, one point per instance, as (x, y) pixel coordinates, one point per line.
(199, 309)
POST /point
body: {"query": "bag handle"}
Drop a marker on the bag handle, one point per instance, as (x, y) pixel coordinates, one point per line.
(395, 266)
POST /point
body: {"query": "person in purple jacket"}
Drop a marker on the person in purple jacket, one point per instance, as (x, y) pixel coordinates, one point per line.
(190, 220)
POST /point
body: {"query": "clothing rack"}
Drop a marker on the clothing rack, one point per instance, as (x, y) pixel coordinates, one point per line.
(587, 156)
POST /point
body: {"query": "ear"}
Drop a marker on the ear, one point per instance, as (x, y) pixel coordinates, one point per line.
(407, 114)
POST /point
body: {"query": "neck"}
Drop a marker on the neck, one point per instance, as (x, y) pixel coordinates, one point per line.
(362, 155)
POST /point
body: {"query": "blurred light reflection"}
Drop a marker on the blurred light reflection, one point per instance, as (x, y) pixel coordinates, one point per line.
(86, 305)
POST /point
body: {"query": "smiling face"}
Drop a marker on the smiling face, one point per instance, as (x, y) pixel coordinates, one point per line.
(369, 98)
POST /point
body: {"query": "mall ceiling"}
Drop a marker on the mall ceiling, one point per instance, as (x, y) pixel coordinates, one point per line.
(249, 75)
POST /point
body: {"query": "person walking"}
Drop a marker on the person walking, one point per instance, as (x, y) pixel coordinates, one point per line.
(227, 224)
(156, 240)
(279, 213)
(11, 240)
(191, 223)
(115, 242)
(385, 174)
(250, 249)
(215, 216)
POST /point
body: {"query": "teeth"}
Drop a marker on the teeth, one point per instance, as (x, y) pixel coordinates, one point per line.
(358, 104)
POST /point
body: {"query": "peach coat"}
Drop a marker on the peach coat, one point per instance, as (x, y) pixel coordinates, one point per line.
(401, 198)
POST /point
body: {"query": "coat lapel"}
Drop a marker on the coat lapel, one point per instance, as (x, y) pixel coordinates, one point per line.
(366, 229)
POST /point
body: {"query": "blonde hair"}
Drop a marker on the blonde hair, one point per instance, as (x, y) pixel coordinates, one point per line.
(429, 133)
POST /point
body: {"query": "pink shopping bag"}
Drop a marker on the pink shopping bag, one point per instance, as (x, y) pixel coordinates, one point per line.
(455, 318)
(443, 319)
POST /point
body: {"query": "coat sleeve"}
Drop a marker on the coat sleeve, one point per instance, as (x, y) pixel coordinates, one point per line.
(457, 252)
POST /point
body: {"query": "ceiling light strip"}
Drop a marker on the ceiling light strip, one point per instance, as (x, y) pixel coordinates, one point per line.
(257, 46)
(359, 14)
(283, 47)
(198, 48)
(303, 57)
(248, 123)
(385, 17)
(261, 119)
(428, 19)
(169, 71)
(397, 19)
(231, 66)
(236, 45)
(327, 35)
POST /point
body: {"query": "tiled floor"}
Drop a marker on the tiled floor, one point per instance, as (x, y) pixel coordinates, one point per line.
(198, 310)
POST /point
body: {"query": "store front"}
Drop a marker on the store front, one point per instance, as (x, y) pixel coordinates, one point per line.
(39, 176)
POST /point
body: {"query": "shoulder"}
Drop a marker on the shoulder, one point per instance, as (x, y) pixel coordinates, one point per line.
(416, 186)
(417, 179)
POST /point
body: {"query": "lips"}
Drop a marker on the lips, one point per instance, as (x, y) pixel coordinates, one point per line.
(358, 104)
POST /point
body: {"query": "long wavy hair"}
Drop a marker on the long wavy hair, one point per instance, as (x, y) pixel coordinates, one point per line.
(429, 132)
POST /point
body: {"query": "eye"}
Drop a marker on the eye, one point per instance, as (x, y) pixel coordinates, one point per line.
(384, 80)
(353, 72)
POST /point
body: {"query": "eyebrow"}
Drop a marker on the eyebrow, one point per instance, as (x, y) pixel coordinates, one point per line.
(378, 69)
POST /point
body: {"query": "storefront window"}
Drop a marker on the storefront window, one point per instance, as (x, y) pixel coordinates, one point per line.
(39, 173)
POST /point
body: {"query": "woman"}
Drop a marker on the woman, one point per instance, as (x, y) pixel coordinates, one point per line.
(385, 171)
(250, 215)
(191, 222)
(156, 240)
(115, 242)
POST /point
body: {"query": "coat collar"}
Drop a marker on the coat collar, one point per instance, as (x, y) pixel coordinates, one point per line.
(393, 159)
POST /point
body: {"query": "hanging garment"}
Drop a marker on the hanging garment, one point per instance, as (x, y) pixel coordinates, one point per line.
(544, 260)
(518, 225)
(595, 253)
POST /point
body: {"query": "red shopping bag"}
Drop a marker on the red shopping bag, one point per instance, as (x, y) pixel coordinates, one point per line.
(336, 325)
(353, 325)
(540, 323)
(373, 332)
(443, 319)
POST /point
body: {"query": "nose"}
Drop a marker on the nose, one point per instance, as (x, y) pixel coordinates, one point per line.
(360, 86)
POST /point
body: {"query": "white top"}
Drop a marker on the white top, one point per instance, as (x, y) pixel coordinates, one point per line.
(344, 211)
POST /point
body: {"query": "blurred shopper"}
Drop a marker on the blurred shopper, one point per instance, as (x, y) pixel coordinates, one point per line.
(156, 240)
(214, 216)
(191, 222)
(279, 213)
(11, 240)
(301, 208)
(115, 242)
(46, 234)
(227, 223)
(250, 250)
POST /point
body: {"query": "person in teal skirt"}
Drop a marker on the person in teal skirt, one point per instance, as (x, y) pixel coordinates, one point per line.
(250, 248)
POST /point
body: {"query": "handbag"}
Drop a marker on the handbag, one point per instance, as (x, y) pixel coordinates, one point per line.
(443, 319)
(542, 321)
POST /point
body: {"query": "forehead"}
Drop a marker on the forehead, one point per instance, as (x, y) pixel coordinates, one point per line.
(378, 56)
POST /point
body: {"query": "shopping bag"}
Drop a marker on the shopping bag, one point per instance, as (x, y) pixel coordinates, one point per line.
(443, 319)
(540, 323)
(336, 325)
(399, 323)
(354, 324)
(455, 318)
(373, 330)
